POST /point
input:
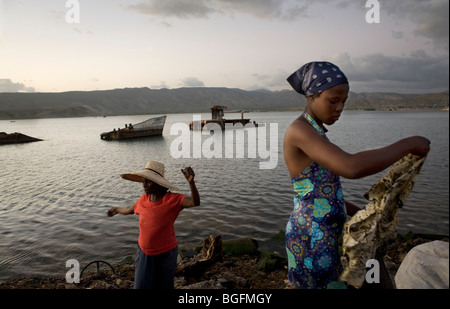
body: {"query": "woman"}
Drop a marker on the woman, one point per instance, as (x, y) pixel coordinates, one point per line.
(158, 208)
(315, 165)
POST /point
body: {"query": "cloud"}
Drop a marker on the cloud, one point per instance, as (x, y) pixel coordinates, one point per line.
(412, 74)
(6, 85)
(192, 82)
(264, 9)
(274, 81)
(162, 85)
(434, 23)
(398, 34)
(172, 8)
(187, 9)
(430, 16)
(415, 73)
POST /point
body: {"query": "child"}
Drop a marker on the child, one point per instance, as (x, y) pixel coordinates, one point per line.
(315, 164)
(156, 258)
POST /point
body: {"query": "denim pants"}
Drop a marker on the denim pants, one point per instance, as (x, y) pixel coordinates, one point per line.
(155, 272)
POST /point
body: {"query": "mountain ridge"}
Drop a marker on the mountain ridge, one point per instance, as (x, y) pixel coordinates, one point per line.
(134, 101)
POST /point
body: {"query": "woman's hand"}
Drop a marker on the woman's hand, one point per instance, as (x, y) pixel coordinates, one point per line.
(420, 145)
(188, 173)
(112, 212)
(194, 200)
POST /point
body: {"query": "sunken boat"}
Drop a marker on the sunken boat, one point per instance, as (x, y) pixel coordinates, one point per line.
(217, 114)
(16, 138)
(150, 127)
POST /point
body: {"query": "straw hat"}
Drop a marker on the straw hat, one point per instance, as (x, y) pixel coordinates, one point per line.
(153, 171)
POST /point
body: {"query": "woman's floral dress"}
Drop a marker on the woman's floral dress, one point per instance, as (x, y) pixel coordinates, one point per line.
(315, 225)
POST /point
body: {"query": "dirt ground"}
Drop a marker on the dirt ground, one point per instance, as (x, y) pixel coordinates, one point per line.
(233, 272)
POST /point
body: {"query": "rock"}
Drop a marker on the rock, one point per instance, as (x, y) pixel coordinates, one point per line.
(232, 281)
(240, 246)
(270, 262)
(426, 266)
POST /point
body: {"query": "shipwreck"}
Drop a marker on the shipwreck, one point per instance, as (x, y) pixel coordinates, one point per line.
(150, 127)
(16, 138)
(217, 114)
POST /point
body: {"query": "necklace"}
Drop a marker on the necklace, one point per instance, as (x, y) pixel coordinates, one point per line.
(315, 125)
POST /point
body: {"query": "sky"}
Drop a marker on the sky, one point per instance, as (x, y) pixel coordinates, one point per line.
(397, 46)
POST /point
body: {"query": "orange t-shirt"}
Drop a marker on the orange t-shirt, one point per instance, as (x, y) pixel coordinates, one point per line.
(156, 220)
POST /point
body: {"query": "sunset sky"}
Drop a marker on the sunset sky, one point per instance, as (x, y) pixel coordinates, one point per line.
(247, 44)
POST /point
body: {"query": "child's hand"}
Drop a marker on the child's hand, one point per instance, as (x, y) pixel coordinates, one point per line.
(112, 212)
(188, 173)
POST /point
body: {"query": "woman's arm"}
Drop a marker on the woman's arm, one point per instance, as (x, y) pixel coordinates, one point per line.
(194, 200)
(351, 208)
(302, 136)
(123, 211)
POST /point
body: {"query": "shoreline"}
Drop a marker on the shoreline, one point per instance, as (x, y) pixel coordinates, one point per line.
(299, 109)
(243, 267)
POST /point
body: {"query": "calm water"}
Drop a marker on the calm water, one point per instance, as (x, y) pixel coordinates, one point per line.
(54, 194)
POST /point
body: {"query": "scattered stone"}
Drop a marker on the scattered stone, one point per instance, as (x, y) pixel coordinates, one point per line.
(246, 271)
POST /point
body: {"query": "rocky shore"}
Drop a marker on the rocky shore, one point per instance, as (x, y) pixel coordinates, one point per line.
(242, 266)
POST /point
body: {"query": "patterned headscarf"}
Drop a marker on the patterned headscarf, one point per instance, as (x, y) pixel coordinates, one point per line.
(316, 77)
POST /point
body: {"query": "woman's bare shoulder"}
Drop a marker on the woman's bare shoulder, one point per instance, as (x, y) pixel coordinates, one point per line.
(299, 129)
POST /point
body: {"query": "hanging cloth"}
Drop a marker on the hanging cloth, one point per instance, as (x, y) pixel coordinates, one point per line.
(369, 228)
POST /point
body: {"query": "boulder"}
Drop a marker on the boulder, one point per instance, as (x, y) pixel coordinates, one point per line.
(426, 266)
(270, 262)
(240, 246)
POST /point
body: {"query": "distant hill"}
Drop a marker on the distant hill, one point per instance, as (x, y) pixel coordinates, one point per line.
(135, 101)
(393, 101)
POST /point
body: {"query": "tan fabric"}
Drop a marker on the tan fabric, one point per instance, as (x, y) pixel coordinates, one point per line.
(370, 227)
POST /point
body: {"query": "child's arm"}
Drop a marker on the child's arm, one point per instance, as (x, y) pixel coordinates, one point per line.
(194, 200)
(123, 211)
(353, 166)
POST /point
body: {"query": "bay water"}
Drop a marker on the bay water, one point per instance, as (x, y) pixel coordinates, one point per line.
(54, 194)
